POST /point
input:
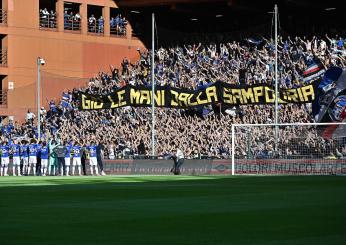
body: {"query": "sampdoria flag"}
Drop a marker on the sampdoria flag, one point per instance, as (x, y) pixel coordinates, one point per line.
(254, 41)
(314, 70)
(330, 103)
(334, 131)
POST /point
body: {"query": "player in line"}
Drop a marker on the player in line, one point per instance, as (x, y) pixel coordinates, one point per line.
(15, 150)
(5, 159)
(93, 158)
(44, 158)
(77, 150)
(28, 155)
(68, 157)
(32, 157)
(24, 157)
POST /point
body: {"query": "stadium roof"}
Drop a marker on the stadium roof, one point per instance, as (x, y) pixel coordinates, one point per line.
(241, 4)
(136, 3)
(178, 18)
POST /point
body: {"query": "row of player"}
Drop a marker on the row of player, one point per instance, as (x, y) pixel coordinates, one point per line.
(50, 158)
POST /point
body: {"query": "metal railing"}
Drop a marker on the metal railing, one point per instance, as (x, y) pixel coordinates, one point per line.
(3, 97)
(3, 57)
(48, 22)
(95, 28)
(118, 30)
(3, 16)
(118, 26)
(72, 25)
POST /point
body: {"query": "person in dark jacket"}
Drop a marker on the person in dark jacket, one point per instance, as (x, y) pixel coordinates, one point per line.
(99, 156)
(60, 152)
(83, 159)
(141, 149)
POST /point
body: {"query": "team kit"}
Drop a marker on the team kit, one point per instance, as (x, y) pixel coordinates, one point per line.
(45, 158)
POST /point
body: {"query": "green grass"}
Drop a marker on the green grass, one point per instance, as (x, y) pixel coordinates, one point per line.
(173, 210)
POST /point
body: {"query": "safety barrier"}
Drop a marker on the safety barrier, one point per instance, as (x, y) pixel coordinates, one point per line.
(3, 16)
(3, 57)
(48, 22)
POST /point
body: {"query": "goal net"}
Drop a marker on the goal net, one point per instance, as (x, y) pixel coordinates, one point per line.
(289, 149)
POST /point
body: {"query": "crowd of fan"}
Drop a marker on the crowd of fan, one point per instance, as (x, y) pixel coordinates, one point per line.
(48, 19)
(251, 62)
(118, 25)
(200, 131)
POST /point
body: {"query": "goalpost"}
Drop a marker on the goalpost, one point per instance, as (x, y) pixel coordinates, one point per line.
(298, 149)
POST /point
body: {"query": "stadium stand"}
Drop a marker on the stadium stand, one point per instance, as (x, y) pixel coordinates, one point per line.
(203, 132)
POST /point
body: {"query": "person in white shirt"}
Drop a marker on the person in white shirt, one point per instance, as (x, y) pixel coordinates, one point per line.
(43, 113)
(44, 18)
(92, 23)
(30, 117)
(178, 161)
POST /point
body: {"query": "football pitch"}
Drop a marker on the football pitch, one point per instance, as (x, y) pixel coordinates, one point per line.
(173, 210)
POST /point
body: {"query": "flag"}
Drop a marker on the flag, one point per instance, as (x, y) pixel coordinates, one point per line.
(334, 131)
(254, 41)
(330, 103)
(313, 71)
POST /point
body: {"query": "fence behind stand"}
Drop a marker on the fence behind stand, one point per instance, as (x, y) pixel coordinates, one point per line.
(3, 16)
(3, 57)
(72, 25)
(116, 31)
(3, 98)
(48, 22)
(95, 28)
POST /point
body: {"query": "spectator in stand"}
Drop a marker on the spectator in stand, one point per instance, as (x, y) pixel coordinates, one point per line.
(44, 18)
(52, 19)
(47, 18)
(112, 25)
(122, 25)
(92, 23)
(118, 25)
(71, 21)
(67, 23)
(100, 24)
(30, 117)
(77, 21)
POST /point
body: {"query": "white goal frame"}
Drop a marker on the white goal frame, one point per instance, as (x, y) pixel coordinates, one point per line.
(234, 126)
